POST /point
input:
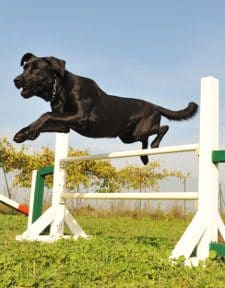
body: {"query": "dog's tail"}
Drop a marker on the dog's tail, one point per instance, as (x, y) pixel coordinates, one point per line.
(179, 115)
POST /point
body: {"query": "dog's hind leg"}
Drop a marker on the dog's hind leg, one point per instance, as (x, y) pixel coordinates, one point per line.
(149, 126)
(130, 139)
(161, 131)
(144, 158)
(160, 134)
(146, 127)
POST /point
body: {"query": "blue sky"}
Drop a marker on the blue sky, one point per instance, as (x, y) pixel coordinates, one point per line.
(154, 50)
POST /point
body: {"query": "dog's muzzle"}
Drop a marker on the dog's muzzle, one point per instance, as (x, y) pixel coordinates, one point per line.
(19, 81)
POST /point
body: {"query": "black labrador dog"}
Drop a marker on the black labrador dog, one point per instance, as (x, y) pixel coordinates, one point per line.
(79, 104)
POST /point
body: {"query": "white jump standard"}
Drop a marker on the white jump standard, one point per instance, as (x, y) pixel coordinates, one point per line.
(206, 223)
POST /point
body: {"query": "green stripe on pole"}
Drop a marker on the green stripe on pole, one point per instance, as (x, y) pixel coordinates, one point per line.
(39, 191)
(218, 156)
(218, 247)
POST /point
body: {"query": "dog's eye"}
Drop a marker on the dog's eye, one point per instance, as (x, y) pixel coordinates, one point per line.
(25, 66)
(35, 68)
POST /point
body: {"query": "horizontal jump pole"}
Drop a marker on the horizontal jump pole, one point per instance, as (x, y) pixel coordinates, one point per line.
(133, 153)
(134, 196)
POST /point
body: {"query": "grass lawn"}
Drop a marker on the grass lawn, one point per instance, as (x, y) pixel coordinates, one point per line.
(123, 252)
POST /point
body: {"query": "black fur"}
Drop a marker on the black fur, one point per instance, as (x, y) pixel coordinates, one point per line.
(78, 103)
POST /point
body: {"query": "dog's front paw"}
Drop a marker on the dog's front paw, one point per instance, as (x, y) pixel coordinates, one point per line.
(21, 136)
(27, 133)
(32, 133)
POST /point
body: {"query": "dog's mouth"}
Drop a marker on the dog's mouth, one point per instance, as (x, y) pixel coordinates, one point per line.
(30, 90)
(35, 88)
(26, 93)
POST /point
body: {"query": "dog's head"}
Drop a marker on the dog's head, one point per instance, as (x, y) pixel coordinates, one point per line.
(39, 76)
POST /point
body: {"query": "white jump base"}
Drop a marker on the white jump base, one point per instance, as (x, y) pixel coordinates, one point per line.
(205, 225)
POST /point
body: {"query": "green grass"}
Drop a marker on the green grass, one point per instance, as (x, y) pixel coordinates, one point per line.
(123, 252)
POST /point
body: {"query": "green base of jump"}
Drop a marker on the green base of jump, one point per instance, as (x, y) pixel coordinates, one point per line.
(218, 247)
(218, 156)
(39, 190)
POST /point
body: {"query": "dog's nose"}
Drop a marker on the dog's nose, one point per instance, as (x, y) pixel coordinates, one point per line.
(18, 81)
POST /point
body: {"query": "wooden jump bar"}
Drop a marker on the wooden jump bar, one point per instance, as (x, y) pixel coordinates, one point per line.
(133, 153)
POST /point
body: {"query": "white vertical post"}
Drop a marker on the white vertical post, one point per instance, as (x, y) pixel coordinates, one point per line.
(208, 172)
(203, 228)
(32, 192)
(61, 151)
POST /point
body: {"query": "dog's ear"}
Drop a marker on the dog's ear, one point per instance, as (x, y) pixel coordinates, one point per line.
(57, 65)
(26, 57)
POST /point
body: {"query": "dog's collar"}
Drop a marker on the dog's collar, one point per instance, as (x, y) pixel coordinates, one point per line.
(56, 100)
(54, 90)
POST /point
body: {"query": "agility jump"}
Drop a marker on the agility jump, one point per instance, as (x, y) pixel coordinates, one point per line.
(206, 224)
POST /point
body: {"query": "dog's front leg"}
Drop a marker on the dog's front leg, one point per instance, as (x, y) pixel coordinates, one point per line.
(23, 135)
(30, 132)
(56, 121)
(49, 122)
